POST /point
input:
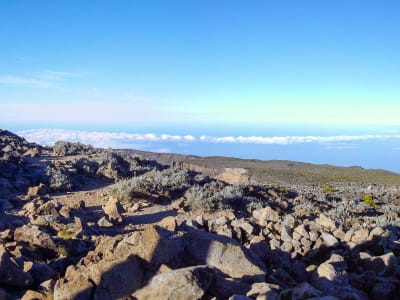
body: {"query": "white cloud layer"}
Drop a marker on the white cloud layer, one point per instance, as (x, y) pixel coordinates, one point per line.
(116, 139)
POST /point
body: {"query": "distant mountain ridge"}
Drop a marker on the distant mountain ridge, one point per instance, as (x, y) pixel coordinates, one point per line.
(275, 171)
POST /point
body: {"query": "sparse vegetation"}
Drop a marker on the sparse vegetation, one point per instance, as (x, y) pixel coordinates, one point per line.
(84, 165)
(66, 233)
(161, 183)
(328, 189)
(67, 148)
(62, 250)
(59, 179)
(369, 200)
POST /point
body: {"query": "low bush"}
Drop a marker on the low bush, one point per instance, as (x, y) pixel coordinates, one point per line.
(328, 189)
(85, 165)
(59, 179)
(68, 148)
(369, 200)
(161, 183)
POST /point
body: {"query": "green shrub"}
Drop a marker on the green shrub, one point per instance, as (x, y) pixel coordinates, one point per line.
(68, 148)
(59, 179)
(328, 189)
(369, 200)
(161, 183)
(201, 197)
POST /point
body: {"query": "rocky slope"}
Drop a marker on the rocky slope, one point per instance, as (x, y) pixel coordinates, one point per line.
(84, 223)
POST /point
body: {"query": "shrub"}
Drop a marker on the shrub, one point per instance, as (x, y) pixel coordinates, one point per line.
(369, 200)
(85, 165)
(213, 196)
(120, 165)
(328, 189)
(68, 148)
(200, 197)
(59, 179)
(155, 182)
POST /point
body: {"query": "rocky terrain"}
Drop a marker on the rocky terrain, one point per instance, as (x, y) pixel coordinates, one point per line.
(84, 223)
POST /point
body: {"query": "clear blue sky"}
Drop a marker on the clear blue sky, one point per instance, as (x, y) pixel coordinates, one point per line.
(139, 62)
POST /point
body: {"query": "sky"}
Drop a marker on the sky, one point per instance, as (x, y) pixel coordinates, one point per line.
(195, 63)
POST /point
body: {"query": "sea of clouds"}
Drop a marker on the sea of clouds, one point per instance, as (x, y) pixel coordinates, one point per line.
(112, 139)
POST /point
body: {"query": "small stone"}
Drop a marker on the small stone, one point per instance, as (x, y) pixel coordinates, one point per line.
(287, 247)
(47, 286)
(301, 229)
(263, 215)
(103, 222)
(327, 271)
(168, 223)
(113, 209)
(326, 222)
(29, 295)
(360, 236)
(286, 234)
(306, 242)
(200, 220)
(339, 234)
(261, 288)
(65, 212)
(221, 220)
(297, 236)
(349, 234)
(376, 232)
(329, 239)
(224, 230)
(314, 235)
(274, 244)
(289, 221)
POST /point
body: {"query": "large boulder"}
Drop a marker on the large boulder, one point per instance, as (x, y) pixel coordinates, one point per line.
(156, 246)
(113, 209)
(10, 274)
(113, 277)
(185, 284)
(223, 253)
(116, 268)
(33, 235)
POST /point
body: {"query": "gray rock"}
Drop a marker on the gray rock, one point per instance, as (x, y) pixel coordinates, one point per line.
(263, 288)
(10, 274)
(349, 234)
(306, 243)
(287, 246)
(360, 236)
(329, 239)
(34, 236)
(326, 222)
(113, 209)
(264, 215)
(223, 253)
(286, 234)
(186, 284)
(314, 235)
(103, 222)
(289, 221)
(376, 232)
(115, 276)
(244, 225)
(221, 220)
(301, 229)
